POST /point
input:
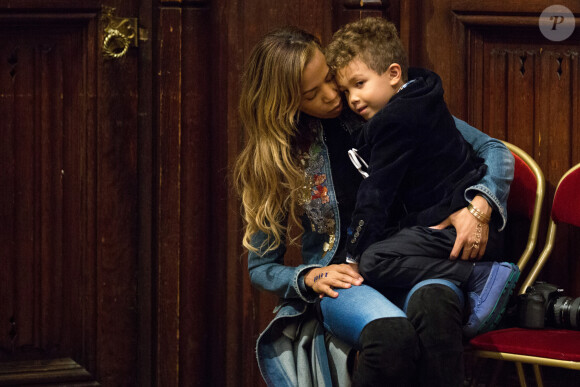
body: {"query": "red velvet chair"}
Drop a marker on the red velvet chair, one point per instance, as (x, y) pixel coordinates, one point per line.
(524, 210)
(548, 347)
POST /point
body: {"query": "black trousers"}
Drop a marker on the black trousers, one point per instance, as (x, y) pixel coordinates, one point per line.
(418, 253)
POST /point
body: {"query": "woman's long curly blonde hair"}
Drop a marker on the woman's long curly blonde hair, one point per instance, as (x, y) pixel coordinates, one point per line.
(268, 174)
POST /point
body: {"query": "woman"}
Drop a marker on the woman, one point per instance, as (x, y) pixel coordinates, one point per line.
(295, 171)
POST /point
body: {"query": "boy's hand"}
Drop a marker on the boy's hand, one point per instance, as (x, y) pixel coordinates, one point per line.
(323, 279)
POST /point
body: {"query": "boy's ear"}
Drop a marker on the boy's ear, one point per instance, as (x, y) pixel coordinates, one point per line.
(395, 73)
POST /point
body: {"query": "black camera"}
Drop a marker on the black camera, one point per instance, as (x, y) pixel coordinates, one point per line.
(544, 304)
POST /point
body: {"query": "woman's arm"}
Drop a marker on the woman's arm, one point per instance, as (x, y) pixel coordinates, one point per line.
(495, 185)
(268, 272)
(489, 195)
(307, 281)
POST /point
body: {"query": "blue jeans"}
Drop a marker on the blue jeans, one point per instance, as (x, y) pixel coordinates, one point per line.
(347, 315)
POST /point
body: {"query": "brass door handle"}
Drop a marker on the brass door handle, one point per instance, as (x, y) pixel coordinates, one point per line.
(116, 44)
(120, 34)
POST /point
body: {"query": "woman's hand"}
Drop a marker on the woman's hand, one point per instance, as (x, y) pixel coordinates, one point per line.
(323, 279)
(467, 233)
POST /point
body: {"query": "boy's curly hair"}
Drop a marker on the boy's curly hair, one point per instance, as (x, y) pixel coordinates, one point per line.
(373, 40)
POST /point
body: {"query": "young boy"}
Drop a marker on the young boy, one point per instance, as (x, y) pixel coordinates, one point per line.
(419, 168)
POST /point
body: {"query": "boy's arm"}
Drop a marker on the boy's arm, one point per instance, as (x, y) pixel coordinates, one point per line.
(391, 153)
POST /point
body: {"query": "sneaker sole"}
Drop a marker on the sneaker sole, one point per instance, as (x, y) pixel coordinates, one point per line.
(496, 314)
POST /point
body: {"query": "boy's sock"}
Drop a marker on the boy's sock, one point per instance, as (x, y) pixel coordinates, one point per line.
(488, 289)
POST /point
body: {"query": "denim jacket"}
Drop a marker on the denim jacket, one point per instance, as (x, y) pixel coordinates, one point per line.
(276, 354)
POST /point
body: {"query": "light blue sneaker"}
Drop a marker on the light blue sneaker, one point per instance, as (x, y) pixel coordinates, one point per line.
(488, 305)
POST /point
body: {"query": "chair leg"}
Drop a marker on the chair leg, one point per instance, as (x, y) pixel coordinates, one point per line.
(476, 367)
(538, 375)
(496, 372)
(521, 375)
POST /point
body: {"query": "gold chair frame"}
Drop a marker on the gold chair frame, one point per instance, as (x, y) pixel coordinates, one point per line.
(535, 361)
(535, 221)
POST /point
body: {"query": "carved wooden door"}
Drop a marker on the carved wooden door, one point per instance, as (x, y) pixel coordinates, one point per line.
(69, 194)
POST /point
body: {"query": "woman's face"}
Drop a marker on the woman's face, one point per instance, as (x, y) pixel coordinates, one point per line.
(320, 96)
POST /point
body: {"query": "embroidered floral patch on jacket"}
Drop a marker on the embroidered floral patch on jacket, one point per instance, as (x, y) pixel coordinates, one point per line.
(315, 199)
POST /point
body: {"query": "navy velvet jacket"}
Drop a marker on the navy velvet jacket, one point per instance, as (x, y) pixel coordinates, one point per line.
(419, 165)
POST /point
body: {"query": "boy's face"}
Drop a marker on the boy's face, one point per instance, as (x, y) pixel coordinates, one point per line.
(366, 91)
(320, 97)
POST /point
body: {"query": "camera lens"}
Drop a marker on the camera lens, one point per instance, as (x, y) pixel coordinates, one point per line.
(567, 312)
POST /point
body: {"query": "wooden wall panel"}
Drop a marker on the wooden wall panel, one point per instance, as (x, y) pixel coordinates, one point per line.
(345, 11)
(117, 217)
(188, 321)
(526, 94)
(146, 172)
(197, 255)
(70, 5)
(45, 224)
(168, 195)
(69, 198)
